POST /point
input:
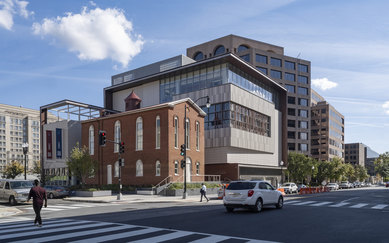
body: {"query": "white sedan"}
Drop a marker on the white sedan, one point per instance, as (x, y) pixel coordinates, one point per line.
(251, 194)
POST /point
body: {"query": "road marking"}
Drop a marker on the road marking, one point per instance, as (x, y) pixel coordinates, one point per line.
(164, 237)
(15, 219)
(304, 203)
(320, 204)
(339, 204)
(290, 202)
(350, 199)
(380, 206)
(359, 205)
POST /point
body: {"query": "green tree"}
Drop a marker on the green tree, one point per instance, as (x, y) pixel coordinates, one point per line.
(81, 164)
(349, 172)
(300, 167)
(337, 169)
(361, 173)
(36, 169)
(381, 165)
(324, 171)
(13, 169)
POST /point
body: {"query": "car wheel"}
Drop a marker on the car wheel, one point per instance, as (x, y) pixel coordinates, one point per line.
(258, 206)
(229, 209)
(280, 203)
(51, 195)
(12, 201)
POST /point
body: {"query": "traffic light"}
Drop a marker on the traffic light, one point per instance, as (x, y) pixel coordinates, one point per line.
(121, 148)
(102, 138)
(183, 150)
(121, 162)
(183, 164)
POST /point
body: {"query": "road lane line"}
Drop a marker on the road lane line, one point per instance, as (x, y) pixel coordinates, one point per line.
(304, 203)
(380, 206)
(339, 204)
(359, 205)
(320, 204)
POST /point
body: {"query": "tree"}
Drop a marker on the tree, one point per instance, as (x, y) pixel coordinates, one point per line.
(360, 173)
(36, 169)
(300, 167)
(349, 172)
(81, 164)
(381, 165)
(13, 169)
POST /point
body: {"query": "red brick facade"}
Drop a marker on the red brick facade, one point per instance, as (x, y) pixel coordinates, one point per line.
(167, 154)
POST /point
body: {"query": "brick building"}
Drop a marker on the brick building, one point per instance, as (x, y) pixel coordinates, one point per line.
(152, 136)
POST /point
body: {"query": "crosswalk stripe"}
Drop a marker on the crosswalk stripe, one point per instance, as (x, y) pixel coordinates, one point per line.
(320, 204)
(48, 226)
(43, 230)
(380, 206)
(64, 207)
(8, 226)
(83, 205)
(71, 235)
(359, 205)
(164, 237)
(290, 202)
(339, 204)
(304, 203)
(14, 219)
(118, 236)
(211, 239)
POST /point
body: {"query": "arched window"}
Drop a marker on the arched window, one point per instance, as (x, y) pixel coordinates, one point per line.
(197, 136)
(91, 140)
(198, 56)
(157, 168)
(197, 168)
(157, 132)
(187, 135)
(117, 136)
(176, 167)
(219, 50)
(175, 132)
(139, 134)
(139, 168)
(116, 169)
(242, 48)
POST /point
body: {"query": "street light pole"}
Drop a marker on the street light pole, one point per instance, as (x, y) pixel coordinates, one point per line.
(282, 163)
(25, 150)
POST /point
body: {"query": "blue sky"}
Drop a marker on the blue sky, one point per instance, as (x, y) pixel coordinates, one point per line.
(54, 50)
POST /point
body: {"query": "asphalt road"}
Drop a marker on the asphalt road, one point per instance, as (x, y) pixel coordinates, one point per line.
(360, 215)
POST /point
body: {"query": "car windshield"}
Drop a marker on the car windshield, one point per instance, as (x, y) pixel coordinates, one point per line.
(287, 184)
(332, 184)
(241, 185)
(344, 182)
(21, 184)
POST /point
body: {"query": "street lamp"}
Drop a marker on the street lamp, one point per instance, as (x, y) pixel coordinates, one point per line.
(184, 195)
(25, 150)
(313, 168)
(282, 163)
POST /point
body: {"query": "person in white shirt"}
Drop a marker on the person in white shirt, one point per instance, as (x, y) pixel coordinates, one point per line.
(203, 192)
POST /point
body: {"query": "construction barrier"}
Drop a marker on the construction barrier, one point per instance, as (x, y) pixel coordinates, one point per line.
(311, 190)
(282, 191)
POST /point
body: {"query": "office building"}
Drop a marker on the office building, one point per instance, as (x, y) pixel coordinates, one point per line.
(371, 156)
(327, 130)
(245, 126)
(355, 153)
(291, 72)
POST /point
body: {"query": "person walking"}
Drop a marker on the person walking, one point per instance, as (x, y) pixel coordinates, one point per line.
(203, 192)
(38, 195)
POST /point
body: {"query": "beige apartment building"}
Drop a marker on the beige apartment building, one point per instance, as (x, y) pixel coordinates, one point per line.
(327, 129)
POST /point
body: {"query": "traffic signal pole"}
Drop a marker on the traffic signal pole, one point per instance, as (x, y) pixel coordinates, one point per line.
(184, 195)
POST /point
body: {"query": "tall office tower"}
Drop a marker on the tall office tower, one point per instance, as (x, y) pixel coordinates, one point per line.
(327, 130)
(291, 72)
(355, 153)
(370, 157)
(18, 126)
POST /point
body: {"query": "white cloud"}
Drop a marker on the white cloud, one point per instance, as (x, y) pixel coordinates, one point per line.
(8, 8)
(94, 34)
(386, 107)
(323, 83)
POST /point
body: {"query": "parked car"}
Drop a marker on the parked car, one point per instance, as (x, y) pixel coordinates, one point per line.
(299, 186)
(251, 194)
(357, 184)
(14, 191)
(56, 191)
(289, 187)
(333, 186)
(345, 185)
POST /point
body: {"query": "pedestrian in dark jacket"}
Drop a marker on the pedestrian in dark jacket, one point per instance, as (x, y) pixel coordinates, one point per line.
(38, 195)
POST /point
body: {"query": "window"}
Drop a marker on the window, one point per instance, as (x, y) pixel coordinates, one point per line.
(302, 91)
(139, 168)
(219, 50)
(176, 167)
(157, 132)
(117, 136)
(290, 88)
(116, 172)
(139, 134)
(303, 79)
(303, 102)
(157, 168)
(303, 135)
(292, 135)
(263, 70)
(291, 146)
(303, 147)
(291, 100)
(291, 123)
(261, 58)
(242, 48)
(303, 124)
(197, 136)
(291, 112)
(176, 132)
(303, 113)
(290, 65)
(275, 74)
(246, 57)
(197, 168)
(187, 135)
(303, 68)
(91, 140)
(290, 77)
(276, 62)
(198, 56)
